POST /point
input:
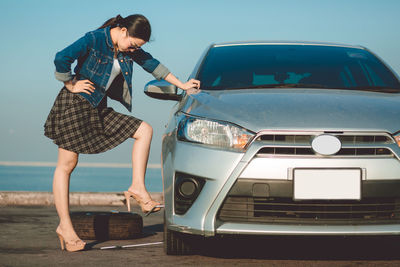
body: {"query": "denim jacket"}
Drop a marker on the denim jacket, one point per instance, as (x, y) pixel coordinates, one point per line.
(95, 55)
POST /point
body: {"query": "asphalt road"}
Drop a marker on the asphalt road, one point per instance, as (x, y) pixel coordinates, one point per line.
(27, 238)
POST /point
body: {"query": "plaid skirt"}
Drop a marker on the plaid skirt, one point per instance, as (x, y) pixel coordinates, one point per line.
(73, 124)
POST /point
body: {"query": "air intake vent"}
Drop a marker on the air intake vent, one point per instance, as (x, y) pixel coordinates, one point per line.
(285, 210)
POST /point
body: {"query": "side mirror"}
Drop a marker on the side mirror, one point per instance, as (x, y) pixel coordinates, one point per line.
(162, 90)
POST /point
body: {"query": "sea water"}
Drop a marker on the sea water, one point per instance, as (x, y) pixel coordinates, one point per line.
(83, 179)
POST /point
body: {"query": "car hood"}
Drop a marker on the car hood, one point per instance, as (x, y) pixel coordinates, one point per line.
(299, 109)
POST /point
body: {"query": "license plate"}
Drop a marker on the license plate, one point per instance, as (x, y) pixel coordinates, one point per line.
(335, 184)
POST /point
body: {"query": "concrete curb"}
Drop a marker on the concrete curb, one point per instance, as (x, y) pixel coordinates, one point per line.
(23, 198)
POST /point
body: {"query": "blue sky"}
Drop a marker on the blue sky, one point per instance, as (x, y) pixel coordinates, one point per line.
(33, 31)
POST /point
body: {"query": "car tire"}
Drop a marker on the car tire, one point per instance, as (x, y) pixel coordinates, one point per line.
(107, 225)
(176, 243)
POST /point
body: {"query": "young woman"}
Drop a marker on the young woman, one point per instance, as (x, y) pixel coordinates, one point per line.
(81, 122)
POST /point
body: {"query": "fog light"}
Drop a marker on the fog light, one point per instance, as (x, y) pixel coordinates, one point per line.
(188, 188)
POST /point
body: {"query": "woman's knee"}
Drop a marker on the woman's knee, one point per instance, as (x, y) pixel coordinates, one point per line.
(144, 130)
(67, 160)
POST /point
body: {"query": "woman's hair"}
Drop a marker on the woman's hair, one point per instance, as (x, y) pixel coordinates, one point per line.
(138, 25)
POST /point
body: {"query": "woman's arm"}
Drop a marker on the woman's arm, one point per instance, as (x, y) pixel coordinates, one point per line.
(63, 61)
(192, 83)
(159, 71)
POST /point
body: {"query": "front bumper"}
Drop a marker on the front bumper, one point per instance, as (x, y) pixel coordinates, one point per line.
(221, 169)
(282, 229)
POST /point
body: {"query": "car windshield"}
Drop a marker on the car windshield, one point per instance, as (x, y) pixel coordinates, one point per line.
(295, 66)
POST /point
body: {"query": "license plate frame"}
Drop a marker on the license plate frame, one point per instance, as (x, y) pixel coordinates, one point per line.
(327, 184)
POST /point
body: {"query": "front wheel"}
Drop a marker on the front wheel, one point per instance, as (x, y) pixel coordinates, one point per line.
(176, 243)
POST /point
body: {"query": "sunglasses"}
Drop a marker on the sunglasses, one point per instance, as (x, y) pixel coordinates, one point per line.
(133, 45)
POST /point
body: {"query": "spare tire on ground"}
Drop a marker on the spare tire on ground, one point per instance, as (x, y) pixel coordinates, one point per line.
(107, 225)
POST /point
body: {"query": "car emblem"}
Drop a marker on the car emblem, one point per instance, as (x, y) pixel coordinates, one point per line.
(326, 144)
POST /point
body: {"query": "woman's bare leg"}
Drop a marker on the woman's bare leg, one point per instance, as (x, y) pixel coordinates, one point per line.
(140, 156)
(67, 162)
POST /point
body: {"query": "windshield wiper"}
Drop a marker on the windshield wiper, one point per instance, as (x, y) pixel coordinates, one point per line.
(303, 85)
(266, 86)
(381, 89)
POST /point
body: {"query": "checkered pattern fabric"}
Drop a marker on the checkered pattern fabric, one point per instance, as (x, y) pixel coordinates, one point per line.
(73, 124)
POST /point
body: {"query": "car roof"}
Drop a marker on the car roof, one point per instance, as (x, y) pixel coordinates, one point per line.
(240, 43)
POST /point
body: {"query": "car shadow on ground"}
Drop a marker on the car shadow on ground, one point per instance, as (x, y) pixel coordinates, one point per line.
(153, 228)
(302, 248)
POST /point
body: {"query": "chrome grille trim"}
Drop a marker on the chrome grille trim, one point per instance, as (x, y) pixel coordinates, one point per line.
(299, 143)
(351, 152)
(355, 138)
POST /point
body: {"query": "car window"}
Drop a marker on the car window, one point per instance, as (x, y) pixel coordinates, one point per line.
(302, 66)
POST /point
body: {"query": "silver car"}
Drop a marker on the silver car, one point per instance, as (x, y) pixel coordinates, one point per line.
(285, 138)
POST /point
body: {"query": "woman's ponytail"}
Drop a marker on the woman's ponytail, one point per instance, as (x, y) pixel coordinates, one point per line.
(137, 25)
(113, 22)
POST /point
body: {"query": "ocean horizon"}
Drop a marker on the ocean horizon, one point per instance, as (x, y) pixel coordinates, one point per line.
(80, 164)
(87, 177)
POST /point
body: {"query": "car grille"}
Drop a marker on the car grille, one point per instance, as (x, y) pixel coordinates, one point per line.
(286, 210)
(352, 144)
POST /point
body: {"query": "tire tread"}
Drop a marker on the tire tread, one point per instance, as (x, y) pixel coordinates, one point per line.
(107, 225)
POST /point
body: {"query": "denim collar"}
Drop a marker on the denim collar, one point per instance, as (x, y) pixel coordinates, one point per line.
(108, 38)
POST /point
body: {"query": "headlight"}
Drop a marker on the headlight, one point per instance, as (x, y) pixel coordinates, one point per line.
(213, 133)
